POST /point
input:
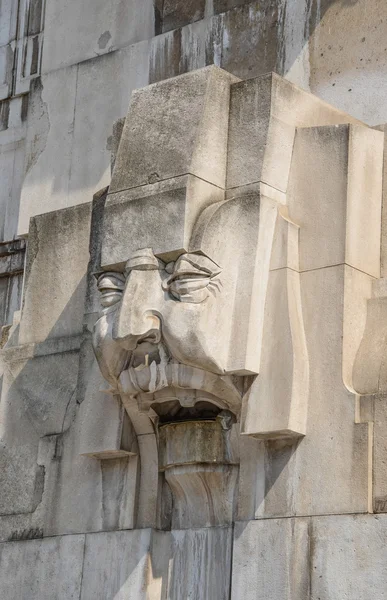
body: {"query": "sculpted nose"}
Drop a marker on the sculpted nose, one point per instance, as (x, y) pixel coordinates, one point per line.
(137, 320)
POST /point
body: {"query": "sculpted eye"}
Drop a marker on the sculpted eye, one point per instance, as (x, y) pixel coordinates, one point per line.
(110, 286)
(192, 278)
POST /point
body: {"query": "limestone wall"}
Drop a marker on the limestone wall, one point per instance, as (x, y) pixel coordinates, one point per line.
(67, 70)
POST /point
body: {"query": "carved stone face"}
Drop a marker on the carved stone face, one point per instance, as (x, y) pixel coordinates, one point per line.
(177, 331)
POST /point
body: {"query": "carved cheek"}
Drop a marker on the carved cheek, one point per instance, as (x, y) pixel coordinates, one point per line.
(189, 333)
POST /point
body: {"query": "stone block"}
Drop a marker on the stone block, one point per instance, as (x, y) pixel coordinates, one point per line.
(348, 558)
(177, 13)
(88, 29)
(86, 494)
(341, 218)
(172, 208)
(127, 554)
(55, 280)
(284, 478)
(38, 399)
(11, 174)
(192, 552)
(50, 123)
(117, 74)
(379, 454)
(107, 431)
(325, 558)
(176, 127)
(65, 165)
(271, 560)
(48, 569)
(264, 113)
(276, 404)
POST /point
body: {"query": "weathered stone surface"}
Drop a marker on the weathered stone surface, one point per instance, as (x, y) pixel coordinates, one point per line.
(127, 555)
(337, 208)
(97, 90)
(327, 558)
(191, 114)
(264, 113)
(172, 208)
(56, 275)
(88, 29)
(48, 144)
(348, 559)
(49, 569)
(271, 560)
(193, 551)
(63, 167)
(181, 12)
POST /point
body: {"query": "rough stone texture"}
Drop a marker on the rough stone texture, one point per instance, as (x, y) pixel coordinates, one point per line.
(326, 558)
(271, 560)
(192, 552)
(348, 559)
(264, 113)
(89, 29)
(320, 298)
(56, 275)
(190, 114)
(125, 553)
(173, 207)
(49, 569)
(65, 165)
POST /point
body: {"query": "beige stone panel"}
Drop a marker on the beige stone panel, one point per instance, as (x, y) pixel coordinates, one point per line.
(91, 28)
(335, 196)
(284, 478)
(357, 291)
(379, 453)
(176, 127)
(348, 557)
(11, 175)
(48, 569)
(251, 483)
(120, 565)
(20, 479)
(346, 57)
(87, 494)
(104, 86)
(270, 560)
(277, 402)
(331, 409)
(65, 163)
(55, 281)
(364, 199)
(264, 113)
(317, 194)
(200, 565)
(383, 245)
(50, 123)
(106, 432)
(369, 372)
(160, 216)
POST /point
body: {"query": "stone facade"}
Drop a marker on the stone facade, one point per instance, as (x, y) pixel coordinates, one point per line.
(193, 344)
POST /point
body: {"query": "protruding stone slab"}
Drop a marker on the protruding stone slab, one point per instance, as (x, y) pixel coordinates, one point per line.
(176, 127)
(160, 216)
(55, 279)
(264, 113)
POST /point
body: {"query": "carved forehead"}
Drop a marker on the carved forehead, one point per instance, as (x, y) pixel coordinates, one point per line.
(161, 216)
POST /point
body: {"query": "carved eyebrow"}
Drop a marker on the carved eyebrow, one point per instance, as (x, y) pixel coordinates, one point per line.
(196, 262)
(114, 281)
